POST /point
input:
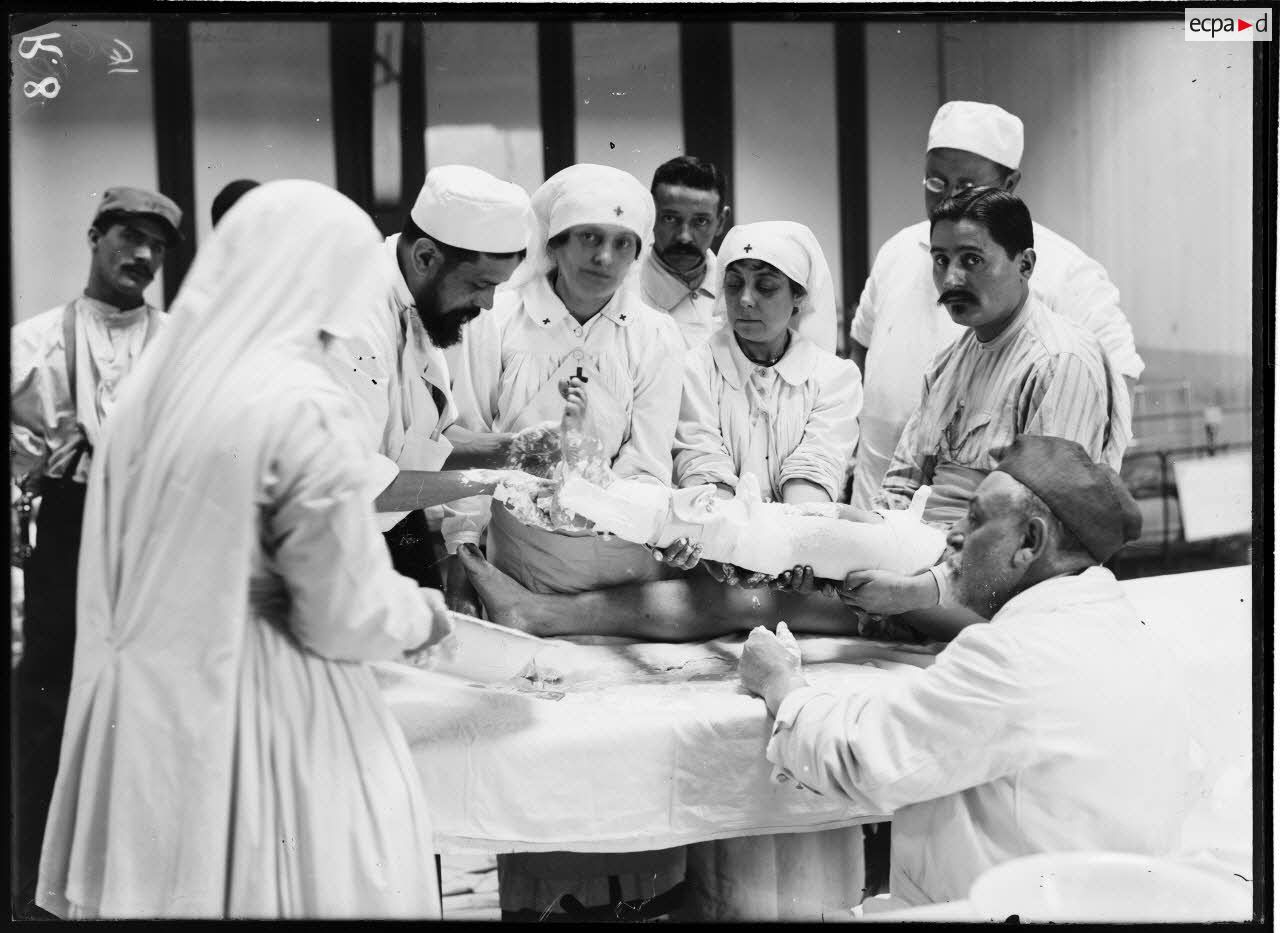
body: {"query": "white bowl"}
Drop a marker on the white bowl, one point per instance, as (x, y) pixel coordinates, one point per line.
(487, 652)
(1107, 886)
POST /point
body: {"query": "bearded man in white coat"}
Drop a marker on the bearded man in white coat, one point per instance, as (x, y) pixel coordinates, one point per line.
(1059, 725)
(898, 326)
(464, 236)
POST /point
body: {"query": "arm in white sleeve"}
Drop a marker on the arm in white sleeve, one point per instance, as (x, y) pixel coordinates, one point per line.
(346, 601)
(700, 453)
(476, 368)
(960, 723)
(363, 362)
(1087, 296)
(657, 379)
(864, 317)
(831, 432)
(28, 447)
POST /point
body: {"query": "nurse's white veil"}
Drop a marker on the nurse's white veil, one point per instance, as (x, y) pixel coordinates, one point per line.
(791, 248)
(171, 522)
(171, 491)
(584, 194)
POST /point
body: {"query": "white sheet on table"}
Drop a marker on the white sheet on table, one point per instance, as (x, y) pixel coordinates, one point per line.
(639, 746)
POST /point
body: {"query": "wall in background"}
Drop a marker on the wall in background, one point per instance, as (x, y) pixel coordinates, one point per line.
(482, 98)
(784, 146)
(627, 92)
(902, 97)
(262, 108)
(96, 130)
(1138, 148)
(1139, 143)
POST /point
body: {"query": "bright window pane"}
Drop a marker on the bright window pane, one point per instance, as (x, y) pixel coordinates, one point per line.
(482, 98)
(627, 84)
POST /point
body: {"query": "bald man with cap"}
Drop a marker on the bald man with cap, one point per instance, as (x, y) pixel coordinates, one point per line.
(1060, 725)
(898, 325)
(66, 371)
(464, 236)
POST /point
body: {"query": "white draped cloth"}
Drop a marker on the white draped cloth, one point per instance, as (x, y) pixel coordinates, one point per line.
(226, 752)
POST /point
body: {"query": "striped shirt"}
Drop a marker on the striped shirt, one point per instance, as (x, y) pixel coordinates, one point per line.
(1043, 375)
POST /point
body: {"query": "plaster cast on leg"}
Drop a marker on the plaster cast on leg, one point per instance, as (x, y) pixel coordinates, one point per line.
(746, 531)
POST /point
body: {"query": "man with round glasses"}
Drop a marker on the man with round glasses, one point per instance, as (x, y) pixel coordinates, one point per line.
(898, 326)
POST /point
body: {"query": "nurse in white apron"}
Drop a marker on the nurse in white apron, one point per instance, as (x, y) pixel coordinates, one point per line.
(761, 398)
(566, 313)
(758, 397)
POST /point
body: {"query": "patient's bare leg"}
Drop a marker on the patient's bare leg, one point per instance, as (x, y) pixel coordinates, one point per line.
(693, 607)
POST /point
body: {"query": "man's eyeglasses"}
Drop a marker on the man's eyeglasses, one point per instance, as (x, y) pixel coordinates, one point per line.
(936, 185)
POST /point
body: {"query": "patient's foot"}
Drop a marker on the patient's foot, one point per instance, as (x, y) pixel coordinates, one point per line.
(506, 602)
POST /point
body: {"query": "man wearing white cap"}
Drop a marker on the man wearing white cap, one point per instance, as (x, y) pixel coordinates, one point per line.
(898, 326)
(464, 236)
(573, 315)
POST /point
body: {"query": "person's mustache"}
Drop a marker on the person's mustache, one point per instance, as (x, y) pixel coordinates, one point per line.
(688, 248)
(143, 271)
(957, 294)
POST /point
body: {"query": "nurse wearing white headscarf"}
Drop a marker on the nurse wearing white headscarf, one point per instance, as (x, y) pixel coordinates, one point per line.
(565, 311)
(227, 752)
(760, 397)
(566, 308)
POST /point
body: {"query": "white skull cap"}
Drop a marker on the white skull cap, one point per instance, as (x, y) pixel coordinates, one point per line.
(792, 249)
(467, 207)
(984, 129)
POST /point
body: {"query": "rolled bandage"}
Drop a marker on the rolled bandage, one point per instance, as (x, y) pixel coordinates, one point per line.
(763, 537)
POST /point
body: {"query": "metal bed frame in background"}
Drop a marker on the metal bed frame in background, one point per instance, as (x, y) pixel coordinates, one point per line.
(1166, 424)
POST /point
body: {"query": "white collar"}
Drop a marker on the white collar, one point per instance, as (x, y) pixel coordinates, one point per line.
(400, 288)
(794, 368)
(546, 308)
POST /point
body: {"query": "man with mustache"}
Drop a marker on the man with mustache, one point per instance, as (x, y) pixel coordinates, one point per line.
(898, 328)
(678, 275)
(463, 238)
(1017, 368)
(1061, 724)
(68, 365)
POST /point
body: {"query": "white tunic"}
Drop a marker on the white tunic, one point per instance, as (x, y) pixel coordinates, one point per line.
(225, 754)
(797, 419)
(42, 414)
(695, 310)
(516, 354)
(388, 362)
(902, 326)
(1061, 725)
